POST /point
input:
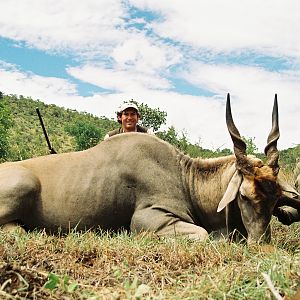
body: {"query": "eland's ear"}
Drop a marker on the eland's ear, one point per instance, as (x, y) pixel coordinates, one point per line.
(231, 191)
(286, 187)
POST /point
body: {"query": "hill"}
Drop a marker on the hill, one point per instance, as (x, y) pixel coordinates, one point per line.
(26, 138)
(70, 130)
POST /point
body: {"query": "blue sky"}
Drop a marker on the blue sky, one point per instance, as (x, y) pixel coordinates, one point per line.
(182, 58)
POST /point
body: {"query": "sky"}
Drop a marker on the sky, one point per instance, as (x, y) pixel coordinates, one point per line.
(182, 57)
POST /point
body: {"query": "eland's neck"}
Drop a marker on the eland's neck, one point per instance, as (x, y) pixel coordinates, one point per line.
(206, 181)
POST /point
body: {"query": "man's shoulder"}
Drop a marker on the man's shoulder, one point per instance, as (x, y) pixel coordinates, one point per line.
(115, 131)
(112, 132)
(140, 128)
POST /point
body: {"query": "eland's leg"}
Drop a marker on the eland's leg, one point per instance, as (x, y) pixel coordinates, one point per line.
(164, 223)
(13, 227)
(287, 215)
(19, 188)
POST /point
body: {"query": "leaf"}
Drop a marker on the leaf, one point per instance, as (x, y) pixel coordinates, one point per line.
(53, 281)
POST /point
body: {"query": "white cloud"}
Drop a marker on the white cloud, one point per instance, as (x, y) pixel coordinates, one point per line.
(95, 27)
(118, 80)
(90, 25)
(14, 81)
(144, 55)
(270, 27)
(52, 90)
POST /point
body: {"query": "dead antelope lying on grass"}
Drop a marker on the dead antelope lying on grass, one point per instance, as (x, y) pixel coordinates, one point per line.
(141, 183)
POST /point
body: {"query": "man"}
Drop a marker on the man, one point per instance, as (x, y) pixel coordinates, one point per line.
(128, 116)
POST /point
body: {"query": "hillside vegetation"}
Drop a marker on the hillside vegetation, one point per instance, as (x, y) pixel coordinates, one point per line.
(70, 130)
(26, 138)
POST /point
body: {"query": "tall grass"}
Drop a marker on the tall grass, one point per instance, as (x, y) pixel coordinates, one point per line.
(123, 266)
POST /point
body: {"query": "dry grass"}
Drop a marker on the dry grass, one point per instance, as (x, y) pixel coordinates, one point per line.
(103, 266)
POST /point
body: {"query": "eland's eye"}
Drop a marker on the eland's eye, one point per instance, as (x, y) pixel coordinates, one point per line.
(244, 198)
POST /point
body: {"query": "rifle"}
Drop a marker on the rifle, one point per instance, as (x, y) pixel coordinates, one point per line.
(51, 150)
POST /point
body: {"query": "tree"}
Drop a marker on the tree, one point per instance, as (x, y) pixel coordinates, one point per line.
(86, 134)
(289, 157)
(5, 124)
(251, 147)
(170, 136)
(150, 117)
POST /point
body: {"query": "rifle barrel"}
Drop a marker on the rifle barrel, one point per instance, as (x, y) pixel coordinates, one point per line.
(52, 151)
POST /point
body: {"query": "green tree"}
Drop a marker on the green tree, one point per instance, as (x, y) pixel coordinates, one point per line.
(251, 147)
(171, 136)
(86, 134)
(5, 124)
(289, 157)
(150, 117)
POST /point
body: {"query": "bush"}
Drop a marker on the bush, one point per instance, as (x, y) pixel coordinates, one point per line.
(5, 124)
(86, 134)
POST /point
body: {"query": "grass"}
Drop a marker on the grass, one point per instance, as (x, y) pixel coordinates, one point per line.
(122, 266)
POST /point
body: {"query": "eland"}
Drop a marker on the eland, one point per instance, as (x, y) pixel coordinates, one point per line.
(140, 183)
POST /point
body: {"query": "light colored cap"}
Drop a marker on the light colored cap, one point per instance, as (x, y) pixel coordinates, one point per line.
(126, 105)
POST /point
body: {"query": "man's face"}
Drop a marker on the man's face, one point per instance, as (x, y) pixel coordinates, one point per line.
(129, 119)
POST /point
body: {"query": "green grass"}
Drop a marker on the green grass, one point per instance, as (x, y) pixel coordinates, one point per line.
(122, 266)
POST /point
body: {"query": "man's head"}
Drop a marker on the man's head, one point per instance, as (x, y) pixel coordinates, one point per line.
(128, 115)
